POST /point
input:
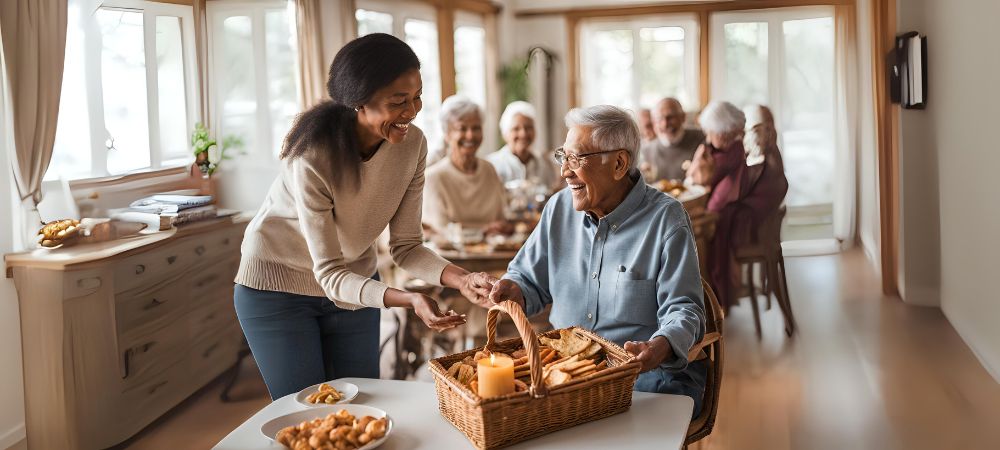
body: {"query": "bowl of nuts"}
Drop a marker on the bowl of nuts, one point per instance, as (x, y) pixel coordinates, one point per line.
(328, 393)
(348, 427)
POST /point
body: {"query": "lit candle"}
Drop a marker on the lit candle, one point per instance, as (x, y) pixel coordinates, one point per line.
(496, 376)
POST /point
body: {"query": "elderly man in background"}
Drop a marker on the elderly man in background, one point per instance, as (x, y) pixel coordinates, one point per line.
(515, 160)
(663, 158)
(646, 125)
(462, 188)
(616, 256)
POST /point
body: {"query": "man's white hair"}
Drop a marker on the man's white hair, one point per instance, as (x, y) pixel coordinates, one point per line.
(456, 107)
(611, 128)
(721, 118)
(513, 109)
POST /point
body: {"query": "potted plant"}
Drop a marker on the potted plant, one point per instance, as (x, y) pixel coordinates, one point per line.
(208, 155)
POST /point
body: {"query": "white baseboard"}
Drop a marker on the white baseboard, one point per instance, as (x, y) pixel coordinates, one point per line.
(12, 436)
(992, 367)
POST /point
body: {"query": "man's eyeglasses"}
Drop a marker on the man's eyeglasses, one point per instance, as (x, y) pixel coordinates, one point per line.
(574, 162)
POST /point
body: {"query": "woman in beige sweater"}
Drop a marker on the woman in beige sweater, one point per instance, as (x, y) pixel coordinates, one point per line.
(462, 188)
(306, 295)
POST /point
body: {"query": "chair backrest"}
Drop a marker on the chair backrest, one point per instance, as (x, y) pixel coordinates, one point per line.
(702, 425)
(769, 232)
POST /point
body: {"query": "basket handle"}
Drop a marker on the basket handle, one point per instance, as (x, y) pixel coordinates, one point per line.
(537, 388)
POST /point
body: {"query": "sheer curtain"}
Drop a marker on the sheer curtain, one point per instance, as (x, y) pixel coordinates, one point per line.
(847, 125)
(201, 50)
(312, 71)
(34, 45)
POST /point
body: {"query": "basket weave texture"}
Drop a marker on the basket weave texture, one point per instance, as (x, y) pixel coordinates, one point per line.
(501, 421)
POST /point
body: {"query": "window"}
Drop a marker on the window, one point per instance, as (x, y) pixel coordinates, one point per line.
(129, 89)
(470, 62)
(415, 24)
(635, 63)
(254, 72)
(785, 59)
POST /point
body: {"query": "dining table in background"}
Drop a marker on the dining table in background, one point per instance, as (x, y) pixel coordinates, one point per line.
(655, 421)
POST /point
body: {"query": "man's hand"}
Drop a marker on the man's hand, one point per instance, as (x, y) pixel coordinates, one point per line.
(650, 353)
(477, 286)
(507, 290)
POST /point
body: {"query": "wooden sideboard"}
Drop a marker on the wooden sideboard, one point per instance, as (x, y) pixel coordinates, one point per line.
(116, 334)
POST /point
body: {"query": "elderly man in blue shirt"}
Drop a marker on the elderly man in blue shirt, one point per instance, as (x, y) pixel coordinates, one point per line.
(615, 256)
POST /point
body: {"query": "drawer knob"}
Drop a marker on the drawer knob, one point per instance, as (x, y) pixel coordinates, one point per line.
(171, 259)
(199, 250)
(139, 268)
(131, 353)
(153, 304)
(89, 283)
(157, 386)
(208, 351)
(225, 241)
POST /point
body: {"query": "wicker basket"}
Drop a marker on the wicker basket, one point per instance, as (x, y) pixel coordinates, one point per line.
(501, 421)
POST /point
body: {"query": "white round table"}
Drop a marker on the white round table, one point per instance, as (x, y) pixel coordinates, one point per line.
(655, 421)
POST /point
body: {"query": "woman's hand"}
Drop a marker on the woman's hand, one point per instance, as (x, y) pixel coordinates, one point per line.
(507, 290)
(476, 287)
(426, 308)
(650, 353)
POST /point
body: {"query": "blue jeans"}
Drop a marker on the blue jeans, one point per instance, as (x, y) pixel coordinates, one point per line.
(689, 382)
(299, 341)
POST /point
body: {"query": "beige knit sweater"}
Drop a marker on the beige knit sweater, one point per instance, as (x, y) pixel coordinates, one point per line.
(473, 200)
(310, 238)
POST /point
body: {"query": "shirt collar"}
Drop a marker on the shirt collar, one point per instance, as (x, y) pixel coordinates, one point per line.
(627, 206)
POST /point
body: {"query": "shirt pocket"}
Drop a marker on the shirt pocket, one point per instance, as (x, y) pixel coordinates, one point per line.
(636, 302)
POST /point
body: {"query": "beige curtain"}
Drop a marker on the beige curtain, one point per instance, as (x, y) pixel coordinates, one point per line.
(201, 54)
(312, 70)
(847, 123)
(34, 46)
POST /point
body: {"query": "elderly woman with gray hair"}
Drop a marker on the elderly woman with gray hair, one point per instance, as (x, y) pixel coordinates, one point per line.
(515, 160)
(615, 256)
(462, 188)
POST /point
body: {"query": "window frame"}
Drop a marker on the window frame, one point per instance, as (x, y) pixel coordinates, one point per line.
(92, 40)
(689, 22)
(774, 18)
(216, 14)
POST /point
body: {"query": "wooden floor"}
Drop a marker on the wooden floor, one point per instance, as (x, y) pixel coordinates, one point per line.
(864, 372)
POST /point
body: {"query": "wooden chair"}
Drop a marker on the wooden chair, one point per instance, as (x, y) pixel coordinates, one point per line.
(712, 345)
(766, 251)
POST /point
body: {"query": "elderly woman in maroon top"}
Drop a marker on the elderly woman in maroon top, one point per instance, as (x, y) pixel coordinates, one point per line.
(764, 185)
(720, 165)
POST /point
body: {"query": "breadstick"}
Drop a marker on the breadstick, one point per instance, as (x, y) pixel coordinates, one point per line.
(583, 370)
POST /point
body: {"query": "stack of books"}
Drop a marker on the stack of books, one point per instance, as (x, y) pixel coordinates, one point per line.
(162, 211)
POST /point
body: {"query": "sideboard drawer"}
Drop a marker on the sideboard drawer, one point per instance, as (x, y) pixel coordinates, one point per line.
(155, 307)
(143, 356)
(84, 282)
(151, 267)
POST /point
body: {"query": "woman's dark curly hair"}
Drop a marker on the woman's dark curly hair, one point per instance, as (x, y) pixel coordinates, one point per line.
(360, 68)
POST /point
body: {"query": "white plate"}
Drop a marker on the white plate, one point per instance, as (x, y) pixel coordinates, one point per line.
(271, 428)
(349, 390)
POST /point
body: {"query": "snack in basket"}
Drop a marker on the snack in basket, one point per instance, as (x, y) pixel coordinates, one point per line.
(568, 344)
(569, 357)
(57, 232)
(338, 430)
(326, 394)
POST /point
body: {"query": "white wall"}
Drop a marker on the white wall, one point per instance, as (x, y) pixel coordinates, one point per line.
(549, 32)
(951, 164)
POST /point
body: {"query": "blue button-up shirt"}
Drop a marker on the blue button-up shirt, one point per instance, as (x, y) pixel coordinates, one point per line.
(630, 276)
